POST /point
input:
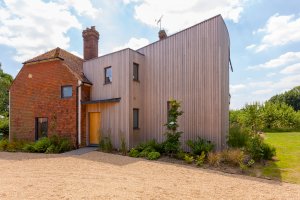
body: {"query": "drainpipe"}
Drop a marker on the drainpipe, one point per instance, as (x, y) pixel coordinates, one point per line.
(78, 88)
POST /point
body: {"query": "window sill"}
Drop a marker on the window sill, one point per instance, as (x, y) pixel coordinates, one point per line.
(138, 81)
(107, 83)
(136, 129)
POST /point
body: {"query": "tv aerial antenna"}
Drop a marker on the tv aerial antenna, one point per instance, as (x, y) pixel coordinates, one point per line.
(159, 22)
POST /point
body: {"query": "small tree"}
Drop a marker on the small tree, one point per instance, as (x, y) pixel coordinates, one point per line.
(172, 143)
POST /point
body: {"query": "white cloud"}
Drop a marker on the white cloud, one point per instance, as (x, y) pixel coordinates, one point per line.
(133, 43)
(251, 46)
(279, 30)
(292, 69)
(33, 27)
(260, 92)
(284, 59)
(181, 14)
(236, 88)
(271, 74)
(83, 8)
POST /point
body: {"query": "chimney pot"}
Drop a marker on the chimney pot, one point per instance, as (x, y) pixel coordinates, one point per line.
(162, 34)
(90, 43)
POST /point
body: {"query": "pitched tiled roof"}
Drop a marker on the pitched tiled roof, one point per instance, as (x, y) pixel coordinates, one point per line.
(74, 63)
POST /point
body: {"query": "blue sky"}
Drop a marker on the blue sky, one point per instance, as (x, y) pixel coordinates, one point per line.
(265, 35)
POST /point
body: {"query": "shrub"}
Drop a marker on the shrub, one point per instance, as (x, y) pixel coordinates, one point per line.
(188, 159)
(151, 144)
(200, 145)
(180, 155)
(214, 159)
(29, 147)
(146, 151)
(41, 145)
(200, 159)
(258, 149)
(153, 155)
(268, 151)
(232, 157)
(15, 146)
(64, 145)
(3, 144)
(4, 127)
(52, 149)
(134, 153)
(105, 144)
(172, 144)
(237, 137)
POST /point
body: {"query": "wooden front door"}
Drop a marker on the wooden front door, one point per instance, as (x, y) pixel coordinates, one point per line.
(95, 126)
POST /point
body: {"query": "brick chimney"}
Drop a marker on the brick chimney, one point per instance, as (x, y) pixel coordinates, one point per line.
(162, 34)
(90, 43)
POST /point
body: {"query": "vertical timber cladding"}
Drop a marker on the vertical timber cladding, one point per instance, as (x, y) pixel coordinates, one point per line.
(114, 116)
(192, 67)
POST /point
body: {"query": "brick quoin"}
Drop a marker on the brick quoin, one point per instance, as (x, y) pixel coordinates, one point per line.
(36, 92)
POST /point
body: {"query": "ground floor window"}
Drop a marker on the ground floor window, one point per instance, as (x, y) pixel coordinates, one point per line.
(41, 127)
(135, 118)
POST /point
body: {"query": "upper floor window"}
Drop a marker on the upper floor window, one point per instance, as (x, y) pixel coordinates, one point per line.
(108, 75)
(66, 91)
(135, 71)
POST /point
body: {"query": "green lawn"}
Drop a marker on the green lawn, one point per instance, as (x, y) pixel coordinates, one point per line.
(287, 168)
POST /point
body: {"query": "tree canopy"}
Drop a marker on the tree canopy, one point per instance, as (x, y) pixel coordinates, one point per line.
(5, 82)
(291, 98)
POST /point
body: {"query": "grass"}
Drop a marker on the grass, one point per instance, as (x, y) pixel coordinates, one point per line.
(287, 166)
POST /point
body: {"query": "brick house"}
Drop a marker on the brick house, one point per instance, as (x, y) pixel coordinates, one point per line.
(124, 94)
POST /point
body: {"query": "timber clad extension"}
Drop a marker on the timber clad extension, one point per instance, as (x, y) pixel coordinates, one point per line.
(124, 94)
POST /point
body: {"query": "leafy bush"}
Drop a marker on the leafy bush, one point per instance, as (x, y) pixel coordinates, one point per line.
(134, 153)
(3, 144)
(146, 151)
(188, 159)
(200, 159)
(15, 146)
(41, 145)
(106, 145)
(237, 137)
(4, 127)
(200, 145)
(180, 155)
(214, 159)
(172, 144)
(258, 149)
(151, 145)
(29, 147)
(268, 151)
(153, 155)
(64, 145)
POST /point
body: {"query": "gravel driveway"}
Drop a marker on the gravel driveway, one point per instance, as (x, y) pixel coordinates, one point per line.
(96, 175)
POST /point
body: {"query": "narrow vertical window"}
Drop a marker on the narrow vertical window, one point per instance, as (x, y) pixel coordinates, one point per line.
(41, 127)
(135, 118)
(108, 75)
(135, 72)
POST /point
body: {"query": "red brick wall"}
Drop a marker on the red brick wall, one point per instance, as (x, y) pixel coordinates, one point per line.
(40, 96)
(85, 96)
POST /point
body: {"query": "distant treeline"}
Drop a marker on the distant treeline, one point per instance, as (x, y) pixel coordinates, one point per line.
(279, 113)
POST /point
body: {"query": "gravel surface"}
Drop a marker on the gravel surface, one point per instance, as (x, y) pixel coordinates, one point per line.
(97, 175)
